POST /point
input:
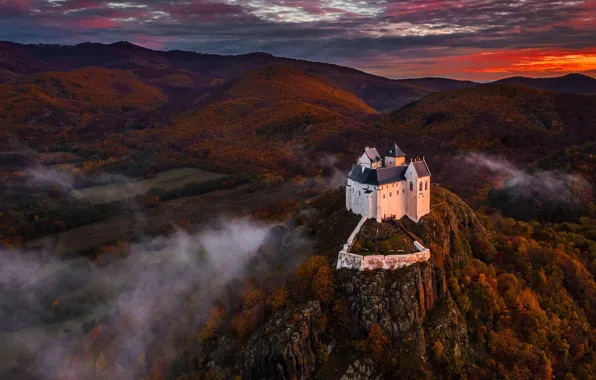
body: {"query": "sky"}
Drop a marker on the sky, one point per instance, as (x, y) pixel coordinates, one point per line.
(464, 39)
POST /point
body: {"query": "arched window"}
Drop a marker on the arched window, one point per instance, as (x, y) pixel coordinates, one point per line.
(426, 185)
(420, 186)
(411, 186)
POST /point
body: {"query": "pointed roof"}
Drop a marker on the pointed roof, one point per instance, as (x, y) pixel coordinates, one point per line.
(394, 151)
(377, 176)
(372, 154)
(421, 168)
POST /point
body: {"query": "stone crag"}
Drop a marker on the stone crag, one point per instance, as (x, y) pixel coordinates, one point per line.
(398, 302)
(285, 347)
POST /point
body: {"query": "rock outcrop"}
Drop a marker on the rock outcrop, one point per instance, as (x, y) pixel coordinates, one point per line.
(398, 301)
(285, 347)
(412, 305)
(361, 369)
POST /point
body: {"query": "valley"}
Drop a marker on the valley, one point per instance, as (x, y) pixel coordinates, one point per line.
(168, 180)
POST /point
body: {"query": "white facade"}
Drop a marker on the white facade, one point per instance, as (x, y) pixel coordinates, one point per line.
(390, 191)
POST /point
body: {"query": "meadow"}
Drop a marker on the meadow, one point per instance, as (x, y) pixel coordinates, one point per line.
(168, 180)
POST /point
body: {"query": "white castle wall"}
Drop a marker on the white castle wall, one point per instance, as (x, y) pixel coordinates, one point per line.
(390, 262)
(359, 201)
(391, 201)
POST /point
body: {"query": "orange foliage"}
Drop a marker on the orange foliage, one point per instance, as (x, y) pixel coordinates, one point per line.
(213, 321)
(376, 342)
(279, 298)
(322, 284)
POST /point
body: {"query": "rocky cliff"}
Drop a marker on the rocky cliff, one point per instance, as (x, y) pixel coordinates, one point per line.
(413, 307)
(285, 347)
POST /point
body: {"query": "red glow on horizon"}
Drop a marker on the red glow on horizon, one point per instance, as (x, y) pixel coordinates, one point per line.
(485, 65)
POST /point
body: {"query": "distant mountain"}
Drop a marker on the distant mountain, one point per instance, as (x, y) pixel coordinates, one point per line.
(168, 68)
(571, 83)
(513, 121)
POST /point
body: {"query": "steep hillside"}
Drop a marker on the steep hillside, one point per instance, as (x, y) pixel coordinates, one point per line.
(571, 83)
(265, 119)
(277, 83)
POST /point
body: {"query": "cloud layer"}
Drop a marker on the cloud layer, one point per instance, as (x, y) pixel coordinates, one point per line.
(137, 294)
(482, 39)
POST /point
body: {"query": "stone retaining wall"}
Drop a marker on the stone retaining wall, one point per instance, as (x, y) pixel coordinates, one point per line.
(348, 260)
(390, 262)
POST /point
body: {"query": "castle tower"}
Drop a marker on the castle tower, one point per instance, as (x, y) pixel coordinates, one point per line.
(417, 189)
(395, 156)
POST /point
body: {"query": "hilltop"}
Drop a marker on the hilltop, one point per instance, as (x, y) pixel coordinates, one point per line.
(570, 83)
(266, 118)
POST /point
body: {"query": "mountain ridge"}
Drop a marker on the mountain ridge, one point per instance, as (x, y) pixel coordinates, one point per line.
(379, 92)
(574, 83)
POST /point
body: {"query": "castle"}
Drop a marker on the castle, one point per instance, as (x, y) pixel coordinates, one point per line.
(387, 187)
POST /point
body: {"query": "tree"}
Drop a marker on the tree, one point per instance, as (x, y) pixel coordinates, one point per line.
(305, 273)
(322, 284)
(377, 342)
(278, 298)
(438, 350)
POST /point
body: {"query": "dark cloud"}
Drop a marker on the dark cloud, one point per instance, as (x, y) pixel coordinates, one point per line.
(329, 30)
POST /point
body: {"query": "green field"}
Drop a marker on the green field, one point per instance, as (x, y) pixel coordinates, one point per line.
(169, 180)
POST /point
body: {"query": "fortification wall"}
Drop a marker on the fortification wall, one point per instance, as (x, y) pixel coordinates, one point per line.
(348, 260)
(390, 262)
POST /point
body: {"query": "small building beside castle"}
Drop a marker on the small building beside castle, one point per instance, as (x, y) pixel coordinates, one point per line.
(388, 187)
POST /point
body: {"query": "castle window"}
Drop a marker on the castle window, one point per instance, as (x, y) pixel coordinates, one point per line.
(383, 196)
(426, 186)
(411, 186)
(389, 193)
(420, 186)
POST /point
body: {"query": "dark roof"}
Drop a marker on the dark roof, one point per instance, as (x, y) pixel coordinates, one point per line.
(422, 168)
(394, 151)
(372, 154)
(377, 176)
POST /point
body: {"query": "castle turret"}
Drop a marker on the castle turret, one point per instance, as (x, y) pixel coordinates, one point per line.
(418, 189)
(370, 158)
(394, 156)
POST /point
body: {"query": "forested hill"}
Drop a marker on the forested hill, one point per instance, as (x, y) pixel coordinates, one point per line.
(571, 83)
(180, 70)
